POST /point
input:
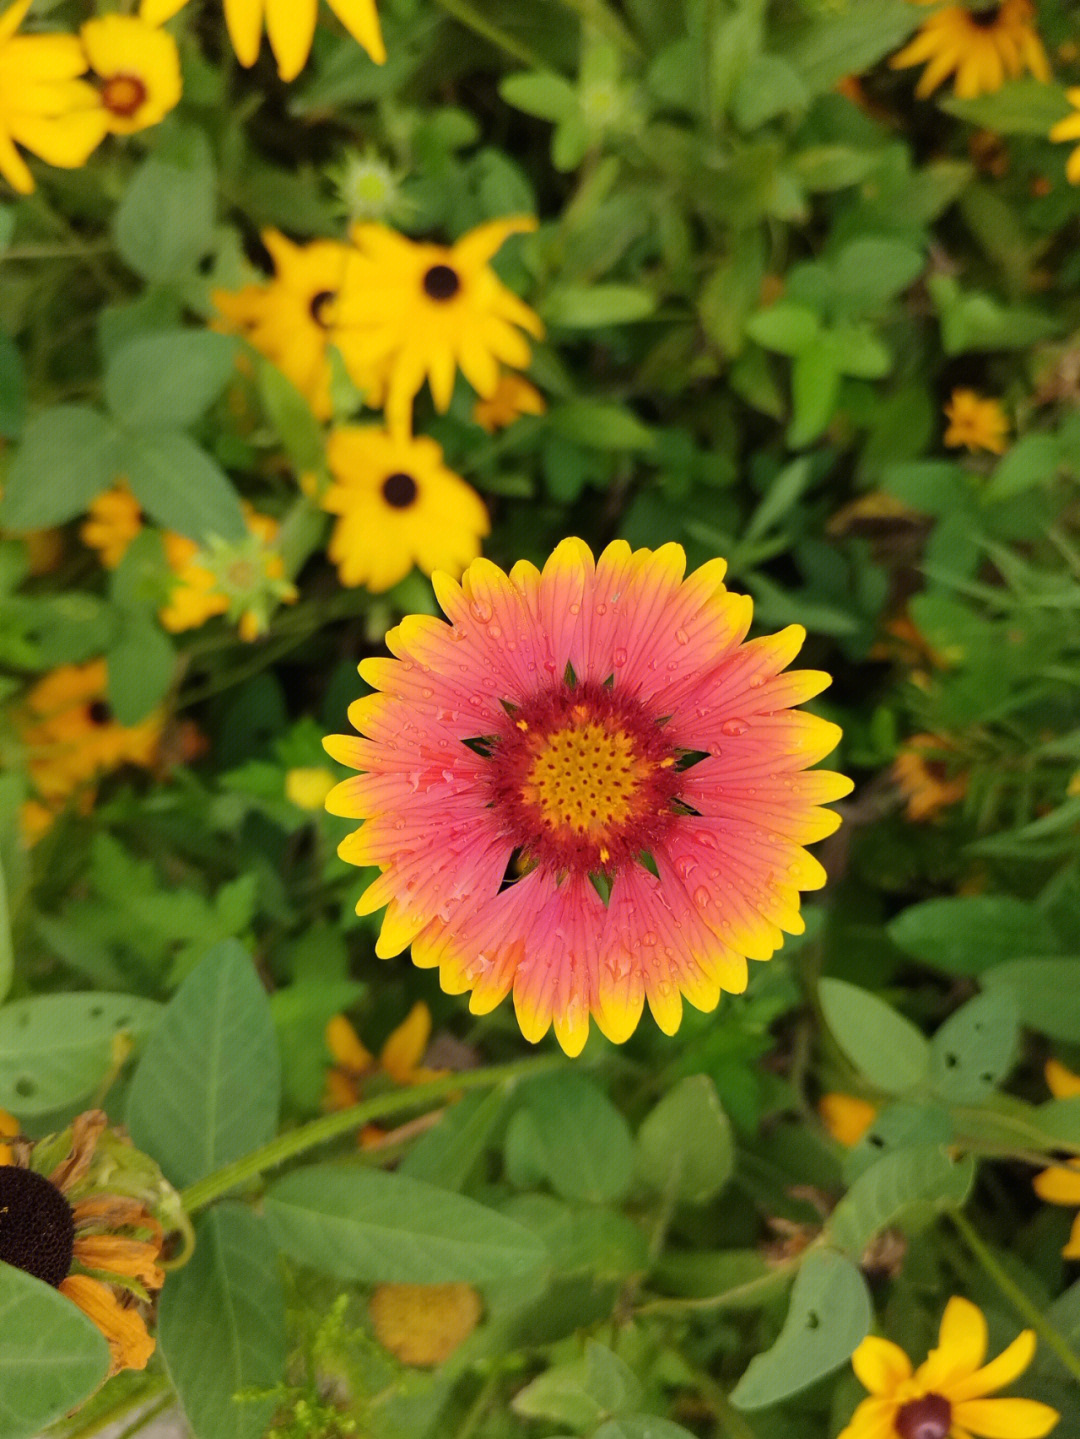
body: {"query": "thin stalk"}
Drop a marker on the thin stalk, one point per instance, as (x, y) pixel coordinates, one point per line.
(466, 14)
(152, 1389)
(605, 20)
(1025, 1306)
(331, 1126)
(740, 1294)
(735, 1425)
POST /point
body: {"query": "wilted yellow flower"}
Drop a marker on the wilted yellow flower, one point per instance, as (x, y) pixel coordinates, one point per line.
(139, 67)
(846, 1116)
(511, 398)
(44, 106)
(422, 1324)
(242, 581)
(976, 423)
(924, 774)
(112, 521)
(354, 1064)
(983, 48)
(290, 25)
(307, 788)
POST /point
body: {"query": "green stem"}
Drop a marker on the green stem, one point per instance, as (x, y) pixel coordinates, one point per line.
(151, 1389)
(752, 1290)
(605, 20)
(465, 14)
(734, 1424)
(332, 1126)
(1026, 1307)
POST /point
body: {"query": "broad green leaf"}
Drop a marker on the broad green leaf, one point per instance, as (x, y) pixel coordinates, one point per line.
(767, 87)
(55, 1049)
(586, 307)
(870, 272)
(180, 486)
(973, 321)
(12, 389)
(168, 379)
(291, 416)
(732, 1278)
(67, 457)
(141, 667)
(609, 1379)
(387, 1228)
(599, 426)
(786, 327)
(821, 168)
(1019, 107)
(898, 1126)
(301, 1011)
(830, 1315)
(684, 1145)
(641, 1426)
(7, 955)
(449, 1153)
(208, 1089)
(52, 1357)
(1033, 460)
(815, 387)
(969, 933)
(973, 1051)
(221, 1326)
(849, 42)
(543, 94)
(560, 1395)
(165, 222)
(882, 1045)
(1047, 994)
(908, 1184)
(855, 350)
(586, 1144)
(1059, 1119)
(782, 495)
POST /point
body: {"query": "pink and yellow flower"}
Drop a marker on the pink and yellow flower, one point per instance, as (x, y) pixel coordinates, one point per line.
(603, 727)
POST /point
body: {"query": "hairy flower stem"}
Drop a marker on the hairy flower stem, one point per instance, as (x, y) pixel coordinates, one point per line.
(330, 1126)
(1028, 1310)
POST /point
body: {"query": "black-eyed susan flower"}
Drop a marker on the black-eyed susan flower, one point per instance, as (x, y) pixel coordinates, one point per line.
(112, 521)
(244, 580)
(846, 1116)
(927, 776)
(86, 1212)
(945, 1398)
(1061, 1184)
(511, 398)
(9, 1128)
(138, 70)
(1069, 129)
(290, 26)
(289, 318)
(981, 48)
(398, 505)
(44, 106)
(976, 422)
(422, 1324)
(412, 311)
(71, 735)
(605, 720)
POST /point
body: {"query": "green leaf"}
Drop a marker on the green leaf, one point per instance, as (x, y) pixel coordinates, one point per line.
(7, 954)
(609, 1379)
(815, 386)
(1046, 991)
(67, 457)
(180, 486)
(52, 1357)
(560, 1395)
(585, 1141)
(830, 1315)
(973, 321)
(55, 1049)
(543, 94)
(855, 350)
(973, 1051)
(449, 1153)
(12, 389)
(599, 426)
(291, 416)
(641, 1426)
(221, 1326)
(684, 1145)
(910, 1184)
(1033, 460)
(782, 495)
(882, 1045)
(785, 327)
(1020, 107)
(969, 933)
(386, 1228)
(898, 1126)
(301, 1011)
(141, 666)
(208, 1089)
(821, 168)
(168, 379)
(165, 222)
(768, 87)
(733, 1278)
(850, 42)
(586, 307)
(871, 271)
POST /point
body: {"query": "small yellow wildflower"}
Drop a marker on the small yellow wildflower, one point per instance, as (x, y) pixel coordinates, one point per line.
(511, 398)
(112, 521)
(1061, 1184)
(307, 788)
(923, 772)
(976, 423)
(1069, 129)
(422, 1324)
(982, 48)
(354, 1064)
(242, 581)
(139, 69)
(846, 1116)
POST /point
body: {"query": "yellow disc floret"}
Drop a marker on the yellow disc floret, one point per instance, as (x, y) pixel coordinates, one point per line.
(586, 778)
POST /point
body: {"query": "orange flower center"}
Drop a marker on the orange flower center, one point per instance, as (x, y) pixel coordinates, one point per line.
(441, 282)
(37, 1229)
(123, 94)
(927, 1418)
(583, 778)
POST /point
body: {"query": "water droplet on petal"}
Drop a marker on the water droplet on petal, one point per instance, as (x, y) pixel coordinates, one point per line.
(575, 608)
(426, 692)
(481, 610)
(601, 609)
(682, 637)
(619, 657)
(649, 937)
(734, 727)
(495, 632)
(702, 897)
(757, 682)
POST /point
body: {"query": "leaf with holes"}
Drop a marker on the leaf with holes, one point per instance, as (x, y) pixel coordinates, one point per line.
(209, 1089)
(1047, 993)
(881, 1044)
(830, 1314)
(898, 1126)
(974, 1049)
(55, 1049)
(909, 1185)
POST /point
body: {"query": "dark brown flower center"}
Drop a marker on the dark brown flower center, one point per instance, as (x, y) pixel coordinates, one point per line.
(441, 283)
(318, 307)
(37, 1231)
(400, 490)
(927, 1418)
(99, 713)
(123, 94)
(985, 19)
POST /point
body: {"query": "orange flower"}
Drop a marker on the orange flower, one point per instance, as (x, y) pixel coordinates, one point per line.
(976, 423)
(846, 1116)
(354, 1064)
(923, 772)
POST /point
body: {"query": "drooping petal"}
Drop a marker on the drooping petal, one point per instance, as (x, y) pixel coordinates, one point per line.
(1009, 1364)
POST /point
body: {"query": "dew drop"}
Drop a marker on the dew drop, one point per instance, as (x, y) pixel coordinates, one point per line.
(665, 988)
(426, 692)
(757, 681)
(649, 937)
(619, 657)
(481, 610)
(495, 632)
(682, 637)
(734, 727)
(702, 897)
(575, 608)
(601, 609)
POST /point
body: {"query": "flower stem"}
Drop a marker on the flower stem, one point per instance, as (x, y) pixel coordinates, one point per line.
(331, 1126)
(1028, 1310)
(465, 14)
